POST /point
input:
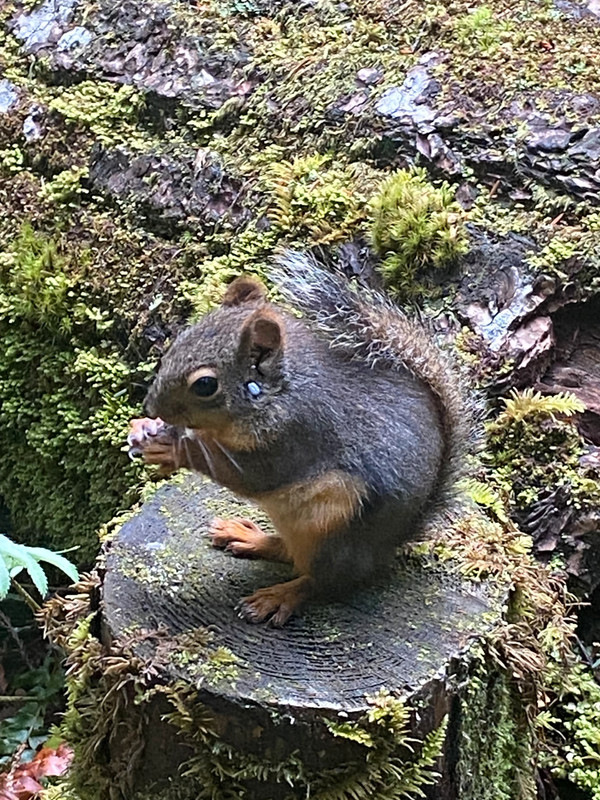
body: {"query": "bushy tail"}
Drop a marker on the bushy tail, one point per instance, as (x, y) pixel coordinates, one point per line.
(365, 324)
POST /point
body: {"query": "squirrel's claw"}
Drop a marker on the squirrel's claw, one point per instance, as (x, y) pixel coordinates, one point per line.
(260, 611)
(238, 536)
(150, 439)
(275, 603)
(143, 429)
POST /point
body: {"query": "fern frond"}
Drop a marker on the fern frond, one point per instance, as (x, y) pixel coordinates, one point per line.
(530, 403)
(483, 494)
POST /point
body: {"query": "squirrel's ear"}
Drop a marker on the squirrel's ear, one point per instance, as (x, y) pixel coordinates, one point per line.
(244, 290)
(262, 332)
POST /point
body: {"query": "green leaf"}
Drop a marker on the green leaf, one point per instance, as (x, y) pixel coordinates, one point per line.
(37, 575)
(17, 553)
(4, 578)
(58, 561)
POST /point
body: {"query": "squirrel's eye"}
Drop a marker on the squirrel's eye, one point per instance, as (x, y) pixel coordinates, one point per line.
(206, 386)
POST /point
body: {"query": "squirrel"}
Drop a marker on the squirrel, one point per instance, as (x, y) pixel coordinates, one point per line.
(347, 427)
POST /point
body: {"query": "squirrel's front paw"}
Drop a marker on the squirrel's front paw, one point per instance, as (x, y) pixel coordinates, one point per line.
(151, 440)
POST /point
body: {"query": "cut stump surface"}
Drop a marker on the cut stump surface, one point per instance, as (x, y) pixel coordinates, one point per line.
(163, 571)
(405, 636)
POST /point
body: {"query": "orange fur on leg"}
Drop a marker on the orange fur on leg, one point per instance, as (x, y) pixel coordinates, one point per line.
(305, 513)
(246, 540)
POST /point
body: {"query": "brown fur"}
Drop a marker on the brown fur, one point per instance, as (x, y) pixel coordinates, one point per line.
(304, 513)
(230, 434)
(244, 290)
(244, 538)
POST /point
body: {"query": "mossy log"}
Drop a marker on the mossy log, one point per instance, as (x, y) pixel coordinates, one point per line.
(154, 144)
(312, 699)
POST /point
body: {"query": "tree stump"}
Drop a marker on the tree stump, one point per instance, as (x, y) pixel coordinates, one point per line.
(316, 698)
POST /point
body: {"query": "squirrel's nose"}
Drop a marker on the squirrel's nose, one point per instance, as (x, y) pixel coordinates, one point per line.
(164, 403)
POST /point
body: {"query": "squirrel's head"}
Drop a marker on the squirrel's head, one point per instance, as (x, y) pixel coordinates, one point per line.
(224, 367)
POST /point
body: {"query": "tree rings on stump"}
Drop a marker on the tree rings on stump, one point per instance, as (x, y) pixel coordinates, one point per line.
(273, 696)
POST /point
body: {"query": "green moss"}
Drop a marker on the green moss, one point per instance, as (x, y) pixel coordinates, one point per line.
(249, 252)
(415, 229)
(308, 59)
(502, 746)
(571, 728)
(60, 791)
(534, 444)
(107, 111)
(483, 30)
(204, 659)
(65, 188)
(77, 293)
(64, 402)
(12, 158)
(314, 200)
(389, 771)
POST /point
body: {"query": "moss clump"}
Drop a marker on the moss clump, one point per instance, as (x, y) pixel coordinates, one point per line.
(107, 111)
(385, 729)
(534, 444)
(503, 747)
(483, 30)
(311, 200)
(59, 791)
(571, 729)
(64, 399)
(204, 660)
(249, 251)
(65, 188)
(415, 229)
(390, 770)
(314, 200)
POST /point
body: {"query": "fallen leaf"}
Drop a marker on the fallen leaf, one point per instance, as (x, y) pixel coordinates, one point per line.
(22, 782)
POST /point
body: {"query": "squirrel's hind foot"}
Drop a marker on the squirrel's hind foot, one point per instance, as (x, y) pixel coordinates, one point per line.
(276, 603)
(244, 539)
